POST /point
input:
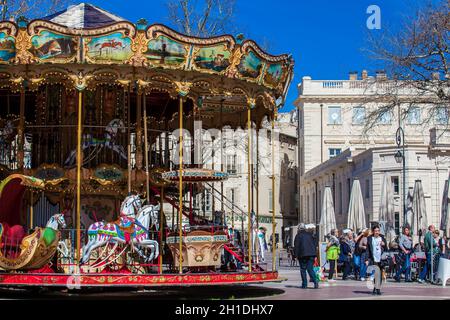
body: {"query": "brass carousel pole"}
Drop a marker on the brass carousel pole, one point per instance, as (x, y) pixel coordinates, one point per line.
(249, 227)
(147, 174)
(129, 136)
(138, 129)
(257, 191)
(180, 200)
(274, 245)
(161, 228)
(31, 210)
(21, 133)
(79, 164)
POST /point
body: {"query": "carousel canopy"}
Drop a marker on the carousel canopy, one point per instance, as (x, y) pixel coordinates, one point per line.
(83, 16)
(223, 75)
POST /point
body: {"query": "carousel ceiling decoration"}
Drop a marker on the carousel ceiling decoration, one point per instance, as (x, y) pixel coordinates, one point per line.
(87, 35)
(196, 175)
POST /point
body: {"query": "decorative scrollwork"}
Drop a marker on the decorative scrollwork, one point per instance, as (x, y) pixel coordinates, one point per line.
(139, 47)
(232, 70)
(23, 44)
(183, 87)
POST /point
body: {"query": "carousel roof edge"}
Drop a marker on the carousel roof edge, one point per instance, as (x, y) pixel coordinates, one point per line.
(155, 27)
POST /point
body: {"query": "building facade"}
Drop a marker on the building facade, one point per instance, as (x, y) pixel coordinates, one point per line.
(235, 203)
(336, 147)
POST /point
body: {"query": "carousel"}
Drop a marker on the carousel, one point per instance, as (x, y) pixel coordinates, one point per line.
(98, 183)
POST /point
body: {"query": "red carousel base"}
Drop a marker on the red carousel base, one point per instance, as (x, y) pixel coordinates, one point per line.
(132, 280)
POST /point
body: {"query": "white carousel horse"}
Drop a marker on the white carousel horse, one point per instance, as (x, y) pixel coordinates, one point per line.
(101, 234)
(56, 221)
(109, 141)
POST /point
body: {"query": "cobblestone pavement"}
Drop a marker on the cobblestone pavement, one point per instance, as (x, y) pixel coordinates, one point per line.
(353, 290)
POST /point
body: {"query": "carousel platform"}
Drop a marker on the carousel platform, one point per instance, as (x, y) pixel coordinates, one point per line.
(133, 280)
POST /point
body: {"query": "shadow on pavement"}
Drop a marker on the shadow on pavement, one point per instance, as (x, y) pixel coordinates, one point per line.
(164, 293)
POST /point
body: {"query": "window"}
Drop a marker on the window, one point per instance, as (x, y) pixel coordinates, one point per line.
(340, 199)
(334, 152)
(367, 189)
(414, 115)
(334, 115)
(208, 202)
(385, 118)
(441, 115)
(396, 185)
(270, 200)
(359, 115)
(231, 164)
(397, 222)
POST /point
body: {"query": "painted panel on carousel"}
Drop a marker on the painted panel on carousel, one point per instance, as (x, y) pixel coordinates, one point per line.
(274, 75)
(164, 51)
(48, 46)
(216, 58)
(115, 47)
(7, 47)
(250, 66)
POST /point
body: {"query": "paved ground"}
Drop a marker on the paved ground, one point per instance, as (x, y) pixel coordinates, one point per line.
(285, 290)
(353, 290)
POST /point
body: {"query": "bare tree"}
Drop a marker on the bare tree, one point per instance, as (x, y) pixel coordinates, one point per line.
(204, 18)
(12, 9)
(416, 60)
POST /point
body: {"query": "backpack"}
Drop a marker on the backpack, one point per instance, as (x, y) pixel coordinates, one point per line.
(333, 252)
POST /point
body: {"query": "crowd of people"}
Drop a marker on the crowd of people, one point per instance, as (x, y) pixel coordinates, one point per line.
(359, 255)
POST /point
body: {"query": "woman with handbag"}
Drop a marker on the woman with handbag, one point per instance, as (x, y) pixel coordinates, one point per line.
(376, 244)
(362, 253)
(346, 256)
(333, 251)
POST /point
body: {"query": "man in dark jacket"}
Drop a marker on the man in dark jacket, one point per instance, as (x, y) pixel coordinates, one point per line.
(306, 250)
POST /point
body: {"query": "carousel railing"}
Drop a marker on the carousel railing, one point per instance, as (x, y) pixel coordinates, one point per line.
(110, 258)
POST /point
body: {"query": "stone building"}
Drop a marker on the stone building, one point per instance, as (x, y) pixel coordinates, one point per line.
(335, 148)
(235, 204)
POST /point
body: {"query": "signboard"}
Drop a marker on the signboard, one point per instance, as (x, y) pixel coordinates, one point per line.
(323, 255)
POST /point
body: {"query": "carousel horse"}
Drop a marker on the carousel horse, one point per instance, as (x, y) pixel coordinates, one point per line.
(109, 142)
(129, 229)
(14, 235)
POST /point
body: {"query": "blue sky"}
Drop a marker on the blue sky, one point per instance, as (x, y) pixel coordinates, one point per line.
(325, 37)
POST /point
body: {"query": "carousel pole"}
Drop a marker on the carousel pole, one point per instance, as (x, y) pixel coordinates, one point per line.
(161, 232)
(257, 192)
(274, 245)
(222, 208)
(180, 199)
(21, 133)
(31, 210)
(79, 164)
(129, 136)
(249, 166)
(139, 129)
(147, 174)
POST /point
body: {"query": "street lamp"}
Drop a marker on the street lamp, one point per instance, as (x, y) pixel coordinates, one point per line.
(400, 157)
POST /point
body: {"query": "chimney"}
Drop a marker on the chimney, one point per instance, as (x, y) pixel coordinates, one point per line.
(353, 75)
(436, 76)
(364, 74)
(381, 75)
